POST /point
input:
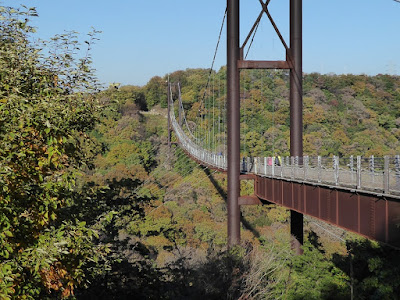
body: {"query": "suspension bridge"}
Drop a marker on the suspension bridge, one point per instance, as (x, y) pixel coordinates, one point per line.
(359, 194)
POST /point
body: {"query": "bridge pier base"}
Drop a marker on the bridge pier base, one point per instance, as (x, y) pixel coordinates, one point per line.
(296, 230)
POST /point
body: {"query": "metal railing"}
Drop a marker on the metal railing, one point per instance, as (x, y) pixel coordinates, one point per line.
(209, 158)
(375, 174)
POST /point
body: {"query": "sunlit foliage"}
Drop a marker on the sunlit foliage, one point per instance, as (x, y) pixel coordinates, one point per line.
(46, 108)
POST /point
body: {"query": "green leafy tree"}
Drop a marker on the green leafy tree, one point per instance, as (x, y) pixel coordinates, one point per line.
(313, 276)
(46, 106)
(155, 91)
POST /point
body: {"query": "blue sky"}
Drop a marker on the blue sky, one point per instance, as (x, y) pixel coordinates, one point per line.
(141, 39)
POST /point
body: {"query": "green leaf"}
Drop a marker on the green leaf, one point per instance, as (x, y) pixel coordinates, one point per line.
(8, 233)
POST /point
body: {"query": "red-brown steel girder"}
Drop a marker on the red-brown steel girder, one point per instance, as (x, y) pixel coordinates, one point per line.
(371, 215)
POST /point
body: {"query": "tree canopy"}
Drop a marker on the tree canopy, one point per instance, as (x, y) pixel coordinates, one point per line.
(47, 107)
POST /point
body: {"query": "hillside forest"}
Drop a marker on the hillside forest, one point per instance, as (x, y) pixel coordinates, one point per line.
(94, 204)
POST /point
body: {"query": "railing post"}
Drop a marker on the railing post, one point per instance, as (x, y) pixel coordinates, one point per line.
(372, 167)
(336, 169)
(273, 166)
(397, 171)
(319, 168)
(358, 172)
(305, 166)
(372, 163)
(386, 185)
(292, 167)
(265, 166)
(351, 166)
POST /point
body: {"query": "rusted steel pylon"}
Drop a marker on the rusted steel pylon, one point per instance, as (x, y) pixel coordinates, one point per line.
(233, 119)
(235, 62)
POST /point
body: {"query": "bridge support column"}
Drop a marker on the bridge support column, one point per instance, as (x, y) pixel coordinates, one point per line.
(233, 121)
(296, 107)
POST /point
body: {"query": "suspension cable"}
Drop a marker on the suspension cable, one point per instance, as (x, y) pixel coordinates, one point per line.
(215, 54)
(243, 100)
(183, 114)
(255, 24)
(213, 123)
(252, 39)
(273, 128)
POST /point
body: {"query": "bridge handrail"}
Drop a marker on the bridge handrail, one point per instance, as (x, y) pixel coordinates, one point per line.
(376, 174)
(209, 158)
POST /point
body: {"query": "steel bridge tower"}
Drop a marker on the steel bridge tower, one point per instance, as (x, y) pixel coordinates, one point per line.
(235, 62)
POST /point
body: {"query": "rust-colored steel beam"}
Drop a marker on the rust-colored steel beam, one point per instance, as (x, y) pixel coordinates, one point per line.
(263, 64)
(296, 106)
(247, 176)
(371, 215)
(233, 121)
(254, 27)
(249, 200)
(296, 79)
(265, 9)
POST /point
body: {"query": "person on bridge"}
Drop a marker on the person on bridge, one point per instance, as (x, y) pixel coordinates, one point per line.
(278, 160)
(244, 165)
